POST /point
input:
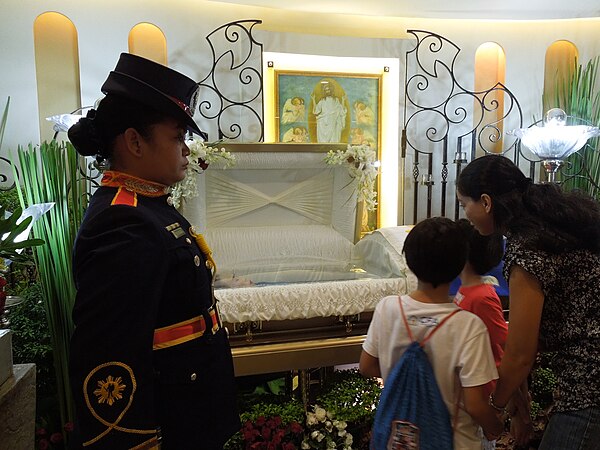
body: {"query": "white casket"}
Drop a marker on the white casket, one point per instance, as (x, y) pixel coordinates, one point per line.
(294, 289)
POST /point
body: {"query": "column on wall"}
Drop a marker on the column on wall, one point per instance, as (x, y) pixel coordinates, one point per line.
(560, 64)
(490, 69)
(147, 40)
(56, 67)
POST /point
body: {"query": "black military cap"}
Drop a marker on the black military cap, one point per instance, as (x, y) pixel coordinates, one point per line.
(155, 85)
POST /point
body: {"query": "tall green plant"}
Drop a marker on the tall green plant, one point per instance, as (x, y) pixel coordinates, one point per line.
(577, 94)
(3, 121)
(49, 173)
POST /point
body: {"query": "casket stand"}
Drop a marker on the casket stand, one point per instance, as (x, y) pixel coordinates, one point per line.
(294, 289)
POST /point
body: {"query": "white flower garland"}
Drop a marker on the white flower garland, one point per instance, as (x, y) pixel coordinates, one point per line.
(200, 157)
(360, 161)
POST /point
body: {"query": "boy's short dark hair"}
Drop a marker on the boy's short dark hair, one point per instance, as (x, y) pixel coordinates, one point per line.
(436, 250)
(485, 252)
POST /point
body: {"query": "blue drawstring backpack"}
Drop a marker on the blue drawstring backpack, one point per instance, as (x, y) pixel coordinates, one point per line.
(411, 413)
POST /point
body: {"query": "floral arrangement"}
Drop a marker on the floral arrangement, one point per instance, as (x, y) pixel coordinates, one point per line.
(201, 155)
(271, 434)
(324, 432)
(47, 440)
(361, 163)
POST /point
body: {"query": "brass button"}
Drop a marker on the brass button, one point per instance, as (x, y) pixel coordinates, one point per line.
(170, 200)
(193, 377)
(188, 240)
(197, 260)
(208, 264)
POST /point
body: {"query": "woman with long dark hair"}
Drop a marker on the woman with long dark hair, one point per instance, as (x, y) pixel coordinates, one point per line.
(552, 264)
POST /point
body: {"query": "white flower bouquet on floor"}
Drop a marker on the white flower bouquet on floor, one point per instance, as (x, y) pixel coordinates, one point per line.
(323, 431)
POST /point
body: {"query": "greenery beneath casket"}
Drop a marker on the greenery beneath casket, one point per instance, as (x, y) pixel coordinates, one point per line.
(353, 399)
(345, 396)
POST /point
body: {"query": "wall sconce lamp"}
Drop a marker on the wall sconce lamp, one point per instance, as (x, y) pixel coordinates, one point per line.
(555, 140)
(62, 122)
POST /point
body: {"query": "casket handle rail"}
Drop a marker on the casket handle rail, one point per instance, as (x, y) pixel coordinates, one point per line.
(249, 327)
(349, 321)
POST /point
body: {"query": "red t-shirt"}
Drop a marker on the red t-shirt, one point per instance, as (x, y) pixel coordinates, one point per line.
(483, 301)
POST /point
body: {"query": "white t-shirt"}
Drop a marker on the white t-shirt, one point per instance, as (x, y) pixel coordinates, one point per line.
(459, 350)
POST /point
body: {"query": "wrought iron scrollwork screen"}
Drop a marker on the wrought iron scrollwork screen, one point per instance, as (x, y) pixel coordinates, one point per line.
(447, 125)
(231, 95)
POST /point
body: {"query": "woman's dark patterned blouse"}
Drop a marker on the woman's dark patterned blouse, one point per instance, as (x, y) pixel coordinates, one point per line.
(570, 323)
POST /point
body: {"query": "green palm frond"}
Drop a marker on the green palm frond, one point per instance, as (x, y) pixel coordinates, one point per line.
(50, 173)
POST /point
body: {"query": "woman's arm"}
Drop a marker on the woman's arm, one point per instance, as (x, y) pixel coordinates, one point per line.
(369, 365)
(526, 304)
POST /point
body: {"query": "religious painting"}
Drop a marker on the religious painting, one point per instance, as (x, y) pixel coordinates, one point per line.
(327, 108)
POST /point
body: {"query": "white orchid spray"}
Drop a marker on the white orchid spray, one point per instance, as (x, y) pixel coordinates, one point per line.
(201, 155)
(361, 162)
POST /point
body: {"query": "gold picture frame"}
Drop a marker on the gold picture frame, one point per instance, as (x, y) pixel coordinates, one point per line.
(325, 107)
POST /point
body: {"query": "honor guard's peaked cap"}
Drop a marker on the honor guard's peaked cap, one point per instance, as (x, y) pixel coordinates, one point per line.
(156, 86)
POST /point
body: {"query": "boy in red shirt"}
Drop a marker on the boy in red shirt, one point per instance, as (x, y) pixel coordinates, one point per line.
(478, 295)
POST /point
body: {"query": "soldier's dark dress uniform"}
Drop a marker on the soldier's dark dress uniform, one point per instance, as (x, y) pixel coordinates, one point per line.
(148, 355)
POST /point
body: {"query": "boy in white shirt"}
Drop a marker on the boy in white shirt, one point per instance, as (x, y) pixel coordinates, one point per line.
(459, 352)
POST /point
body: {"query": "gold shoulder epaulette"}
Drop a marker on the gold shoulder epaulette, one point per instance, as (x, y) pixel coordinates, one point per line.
(124, 197)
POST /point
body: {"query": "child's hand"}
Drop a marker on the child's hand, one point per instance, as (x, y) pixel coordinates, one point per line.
(494, 429)
(521, 429)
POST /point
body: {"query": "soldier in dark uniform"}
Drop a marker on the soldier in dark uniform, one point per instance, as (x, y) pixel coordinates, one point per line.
(150, 363)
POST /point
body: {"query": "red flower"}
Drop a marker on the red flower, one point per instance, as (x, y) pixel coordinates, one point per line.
(296, 428)
(68, 427)
(2, 282)
(266, 433)
(249, 435)
(260, 421)
(55, 438)
(44, 444)
(41, 432)
(288, 446)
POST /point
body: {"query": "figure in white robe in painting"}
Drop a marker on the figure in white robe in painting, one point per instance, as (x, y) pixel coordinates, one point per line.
(330, 113)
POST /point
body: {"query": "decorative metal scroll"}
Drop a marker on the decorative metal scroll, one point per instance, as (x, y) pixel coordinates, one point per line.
(446, 125)
(231, 95)
(6, 168)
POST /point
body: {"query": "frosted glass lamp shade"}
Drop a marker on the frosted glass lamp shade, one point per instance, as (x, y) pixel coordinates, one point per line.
(555, 142)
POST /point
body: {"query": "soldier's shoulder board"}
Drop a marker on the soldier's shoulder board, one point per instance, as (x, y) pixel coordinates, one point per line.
(124, 197)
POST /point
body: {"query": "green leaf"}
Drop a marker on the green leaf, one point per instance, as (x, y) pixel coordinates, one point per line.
(9, 231)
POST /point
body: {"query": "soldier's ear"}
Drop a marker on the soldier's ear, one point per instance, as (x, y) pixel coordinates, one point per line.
(133, 142)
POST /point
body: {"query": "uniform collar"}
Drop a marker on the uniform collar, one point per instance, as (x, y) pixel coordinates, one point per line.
(112, 178)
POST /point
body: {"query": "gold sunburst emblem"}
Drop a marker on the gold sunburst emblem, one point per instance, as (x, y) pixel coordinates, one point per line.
(109, 391)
